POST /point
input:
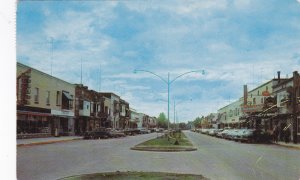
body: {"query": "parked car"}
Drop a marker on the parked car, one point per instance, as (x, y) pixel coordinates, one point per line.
(132, 132)
(254, 136)
(96, 134)
(224, 133)
(117, 133)
(144, 131)
(232, 133)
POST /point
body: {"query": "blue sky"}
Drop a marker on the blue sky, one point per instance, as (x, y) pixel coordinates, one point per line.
(236, 42)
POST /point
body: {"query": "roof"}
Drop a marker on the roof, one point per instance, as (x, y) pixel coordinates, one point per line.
(23, 65)
(109, 93)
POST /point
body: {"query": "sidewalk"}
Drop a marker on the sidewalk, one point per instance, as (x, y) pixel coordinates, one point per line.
(289, 145)
(49, 140)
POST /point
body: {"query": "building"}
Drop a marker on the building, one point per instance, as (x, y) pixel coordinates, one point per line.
(45, 104)
(124, 114)
(114, 112)
(212, 119)
(140, 120)
(152, 122)
(229, 116)
(88, 105)
(134, 118)
(287, 107)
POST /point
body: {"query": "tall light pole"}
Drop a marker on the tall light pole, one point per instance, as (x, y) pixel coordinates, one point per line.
(168, 82)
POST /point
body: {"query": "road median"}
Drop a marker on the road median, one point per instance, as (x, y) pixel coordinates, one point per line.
(172, 142)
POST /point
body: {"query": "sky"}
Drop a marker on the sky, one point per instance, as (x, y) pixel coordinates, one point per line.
(235, 42)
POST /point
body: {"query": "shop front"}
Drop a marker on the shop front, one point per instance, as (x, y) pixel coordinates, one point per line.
(63, 122)
(33, 122)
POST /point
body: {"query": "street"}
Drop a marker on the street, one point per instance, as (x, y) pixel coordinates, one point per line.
(214, 159)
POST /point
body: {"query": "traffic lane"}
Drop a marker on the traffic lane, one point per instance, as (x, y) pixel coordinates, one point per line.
(247, 161)
(61, 159)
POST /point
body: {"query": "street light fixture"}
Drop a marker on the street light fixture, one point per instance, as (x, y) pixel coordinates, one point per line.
(168, 82)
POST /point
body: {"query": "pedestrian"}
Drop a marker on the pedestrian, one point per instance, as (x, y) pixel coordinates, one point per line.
(275, 134)
(287, 134)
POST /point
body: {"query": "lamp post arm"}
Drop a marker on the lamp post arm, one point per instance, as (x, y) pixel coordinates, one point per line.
(185, 74)
(151, 73)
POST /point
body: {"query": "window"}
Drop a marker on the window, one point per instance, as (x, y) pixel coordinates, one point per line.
(48, 98)
(36, 95)
(92, 107)
(58, 98)
(266, 88)
(258, 93)
(87, 106)
(262, 100)
(99, 108)
(254, 101)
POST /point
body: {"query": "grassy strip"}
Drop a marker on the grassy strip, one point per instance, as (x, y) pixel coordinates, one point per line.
(135, 175)
(168, 142)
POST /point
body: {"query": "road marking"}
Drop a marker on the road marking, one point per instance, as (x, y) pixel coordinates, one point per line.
(258, 159)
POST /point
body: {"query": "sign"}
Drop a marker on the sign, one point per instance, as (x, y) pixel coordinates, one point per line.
(253, 108)
(266, 93)
(62, 113)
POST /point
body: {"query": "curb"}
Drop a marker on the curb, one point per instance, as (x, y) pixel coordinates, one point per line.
(163, 149)
(47, 142)
(287, 146)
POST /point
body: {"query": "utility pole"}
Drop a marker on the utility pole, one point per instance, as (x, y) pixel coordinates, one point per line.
(100, 79)
(81, 71)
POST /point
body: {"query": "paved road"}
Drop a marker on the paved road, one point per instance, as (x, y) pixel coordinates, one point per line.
(215, 159)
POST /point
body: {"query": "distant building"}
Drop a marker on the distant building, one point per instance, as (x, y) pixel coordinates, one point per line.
(114, 108)
(134, 118)
(124, 114)
(88, 106)
(229, 116)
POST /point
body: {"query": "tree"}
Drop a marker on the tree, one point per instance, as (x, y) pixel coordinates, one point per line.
(197, 122)
(162, 121)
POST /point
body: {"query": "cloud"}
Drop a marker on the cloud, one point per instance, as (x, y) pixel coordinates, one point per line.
(235, 42)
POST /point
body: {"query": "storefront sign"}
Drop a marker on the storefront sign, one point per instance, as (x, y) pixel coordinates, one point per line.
(253, 108)
(62, 113)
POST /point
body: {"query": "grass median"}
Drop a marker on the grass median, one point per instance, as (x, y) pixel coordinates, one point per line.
(171, 142)
(136, 175)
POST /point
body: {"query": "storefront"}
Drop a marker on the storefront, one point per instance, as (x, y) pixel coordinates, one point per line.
(33, 122)
(63, 122)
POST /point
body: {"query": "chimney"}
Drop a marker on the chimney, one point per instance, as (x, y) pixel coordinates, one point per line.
(245, 95)
(278, 74)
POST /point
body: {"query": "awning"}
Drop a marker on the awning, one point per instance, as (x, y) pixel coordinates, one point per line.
(67, 95)
(33, 113)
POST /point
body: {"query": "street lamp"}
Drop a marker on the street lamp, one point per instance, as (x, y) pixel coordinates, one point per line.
(168, 82)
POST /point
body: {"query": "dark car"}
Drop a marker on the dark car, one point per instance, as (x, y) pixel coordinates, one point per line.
(96, 134)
